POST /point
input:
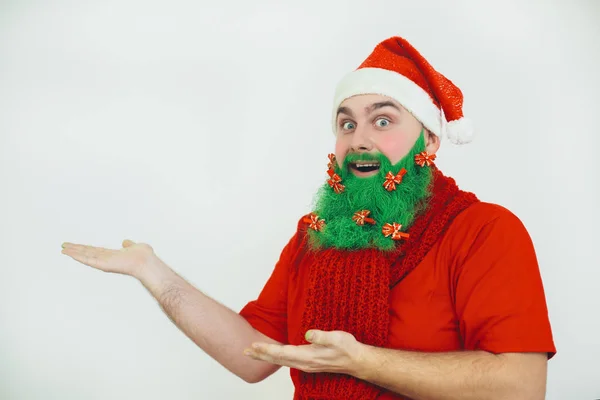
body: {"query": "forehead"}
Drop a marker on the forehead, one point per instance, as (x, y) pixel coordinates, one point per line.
(362, 101)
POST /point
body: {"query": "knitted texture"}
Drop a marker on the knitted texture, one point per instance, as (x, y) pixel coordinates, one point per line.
(444, 205)
(349, 290)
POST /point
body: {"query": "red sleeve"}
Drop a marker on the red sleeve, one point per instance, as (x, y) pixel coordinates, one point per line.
(268, 313)
(500, 300)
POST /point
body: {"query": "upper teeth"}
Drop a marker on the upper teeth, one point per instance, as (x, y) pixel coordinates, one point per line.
(367, 165)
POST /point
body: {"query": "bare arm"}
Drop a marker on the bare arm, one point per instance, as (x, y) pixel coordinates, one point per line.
(456, 375)
(216, 329)
(219, 331)
(461, 375)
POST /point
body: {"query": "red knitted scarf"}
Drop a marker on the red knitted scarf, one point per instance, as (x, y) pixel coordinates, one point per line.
(349, 290)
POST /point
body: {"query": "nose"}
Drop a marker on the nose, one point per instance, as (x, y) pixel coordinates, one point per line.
(361, 140)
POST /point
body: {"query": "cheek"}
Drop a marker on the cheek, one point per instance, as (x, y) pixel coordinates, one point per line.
(341, 149)
(395, 147)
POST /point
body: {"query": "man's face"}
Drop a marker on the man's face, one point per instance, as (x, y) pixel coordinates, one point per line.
(376, 124)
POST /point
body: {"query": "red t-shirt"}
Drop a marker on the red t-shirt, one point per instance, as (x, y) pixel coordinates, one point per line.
(478, 288)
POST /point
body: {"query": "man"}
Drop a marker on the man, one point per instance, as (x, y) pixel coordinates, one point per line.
(398, 284)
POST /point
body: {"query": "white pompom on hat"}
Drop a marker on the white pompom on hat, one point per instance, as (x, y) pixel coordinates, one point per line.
(397, 70)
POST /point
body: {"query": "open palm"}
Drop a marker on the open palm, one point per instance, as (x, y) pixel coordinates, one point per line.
(129, 260)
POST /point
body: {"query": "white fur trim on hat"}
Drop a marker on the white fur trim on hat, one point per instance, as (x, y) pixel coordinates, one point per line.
(392, 84)
(460, 131)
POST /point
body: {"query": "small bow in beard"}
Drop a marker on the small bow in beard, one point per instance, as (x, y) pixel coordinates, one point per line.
(314, 222)
(391, 181)
(362, 217)
(423, 158)
(335, 182)
(393, 230)
(331, 163)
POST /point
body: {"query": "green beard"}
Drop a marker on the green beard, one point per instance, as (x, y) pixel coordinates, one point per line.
(400, 206)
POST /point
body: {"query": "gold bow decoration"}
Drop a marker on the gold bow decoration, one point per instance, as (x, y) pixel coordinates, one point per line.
(335, 182)
(362, 217)
(331, 163)
(393, 230)
(314, 222)
(392, 180)
(423, 158)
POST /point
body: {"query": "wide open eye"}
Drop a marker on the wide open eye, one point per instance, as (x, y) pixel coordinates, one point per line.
(348, 126)
(382, 122)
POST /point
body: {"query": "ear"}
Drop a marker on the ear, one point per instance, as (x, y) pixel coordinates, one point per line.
(432, 142)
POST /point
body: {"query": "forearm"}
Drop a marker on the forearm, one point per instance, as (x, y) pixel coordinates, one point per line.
(216, 329)
(458, 375)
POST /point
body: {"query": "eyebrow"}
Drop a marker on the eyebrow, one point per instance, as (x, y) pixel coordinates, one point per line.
(376, 106)
(368, 109)
(344, 110)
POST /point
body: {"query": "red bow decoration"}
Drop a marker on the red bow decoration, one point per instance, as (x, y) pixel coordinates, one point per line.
(361, 217)
(331, 163)
(393, 230)
(391, 181)
(423, 159)
(314, 222)
(334, 182)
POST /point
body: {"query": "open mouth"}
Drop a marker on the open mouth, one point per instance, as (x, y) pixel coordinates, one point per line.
(365, 167)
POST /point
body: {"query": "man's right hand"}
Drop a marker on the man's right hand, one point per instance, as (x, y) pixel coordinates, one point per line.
(220, 332)
(129, 260)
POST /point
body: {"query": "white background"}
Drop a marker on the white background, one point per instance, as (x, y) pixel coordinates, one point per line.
(202, 128)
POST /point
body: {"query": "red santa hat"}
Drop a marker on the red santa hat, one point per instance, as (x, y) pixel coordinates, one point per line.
(397, 70)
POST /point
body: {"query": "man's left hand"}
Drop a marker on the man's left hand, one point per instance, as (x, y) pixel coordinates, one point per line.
(333, 351)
